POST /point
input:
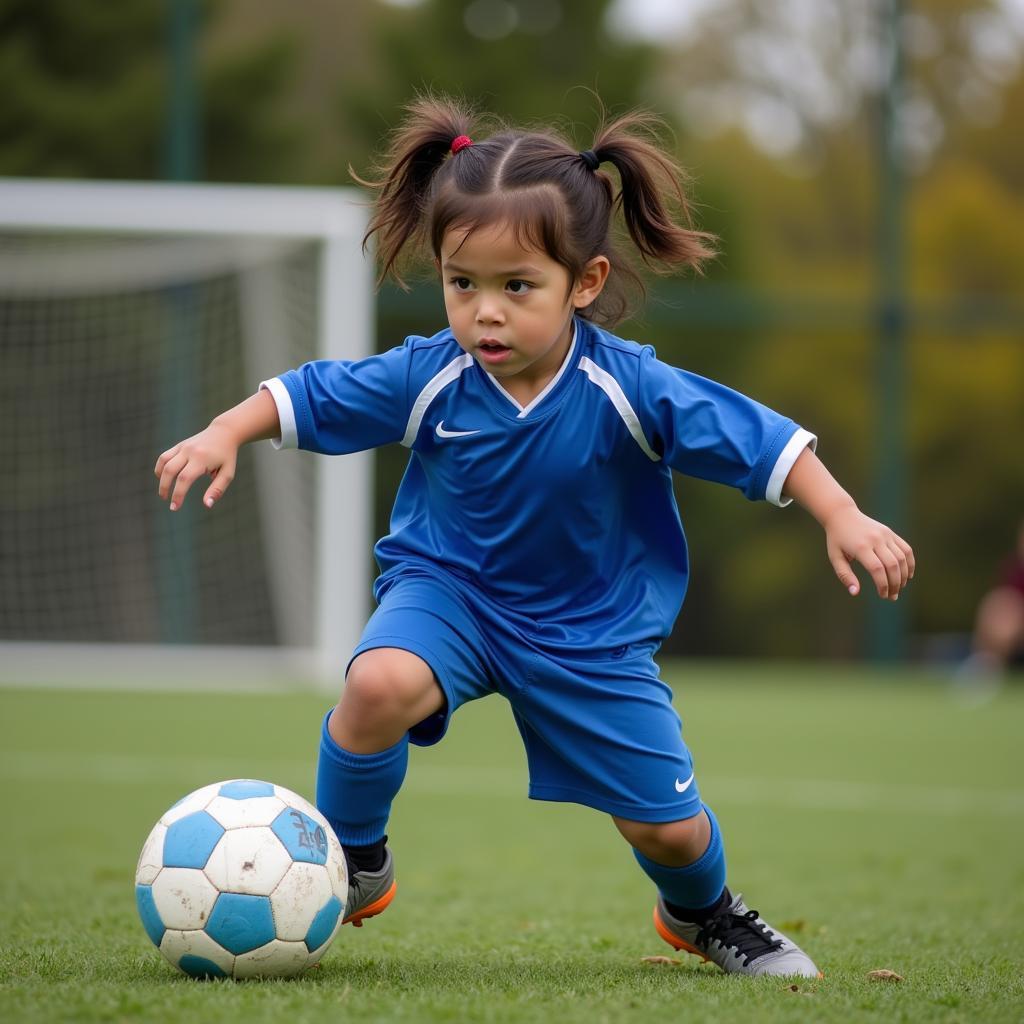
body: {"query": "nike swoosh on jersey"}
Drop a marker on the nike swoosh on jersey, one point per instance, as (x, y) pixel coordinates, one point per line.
(441, 432)
(682, 787)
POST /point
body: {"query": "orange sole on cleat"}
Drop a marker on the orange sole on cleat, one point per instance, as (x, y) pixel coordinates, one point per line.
(375, 908)
(677, 943)
(673, 940)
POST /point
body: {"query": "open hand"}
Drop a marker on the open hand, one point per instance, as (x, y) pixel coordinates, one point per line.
(852, 536)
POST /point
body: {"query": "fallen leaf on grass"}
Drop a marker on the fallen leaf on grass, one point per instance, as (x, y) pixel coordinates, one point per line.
(884, 975)
(798, 924)
(667, 960)
(798, 990)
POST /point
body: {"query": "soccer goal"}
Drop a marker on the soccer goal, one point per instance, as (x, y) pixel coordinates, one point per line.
(130, 314)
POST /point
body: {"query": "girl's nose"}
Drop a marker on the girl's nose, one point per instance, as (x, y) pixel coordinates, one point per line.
(489, 311)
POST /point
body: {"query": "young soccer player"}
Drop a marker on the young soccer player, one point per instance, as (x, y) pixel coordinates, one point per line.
(535, 546)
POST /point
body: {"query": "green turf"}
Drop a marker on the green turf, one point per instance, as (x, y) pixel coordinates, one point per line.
(877, 817)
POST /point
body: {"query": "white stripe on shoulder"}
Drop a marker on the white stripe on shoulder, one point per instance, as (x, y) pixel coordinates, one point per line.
(784, 463)
(610, 386)
(434, 386)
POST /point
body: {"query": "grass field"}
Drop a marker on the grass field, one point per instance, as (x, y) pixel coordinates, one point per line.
(875, 817)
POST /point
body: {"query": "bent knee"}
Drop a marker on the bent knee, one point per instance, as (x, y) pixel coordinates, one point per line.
(668, 842)
(660, 833)
(390, 684)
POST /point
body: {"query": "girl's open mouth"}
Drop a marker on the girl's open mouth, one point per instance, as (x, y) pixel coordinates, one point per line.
(493, 351)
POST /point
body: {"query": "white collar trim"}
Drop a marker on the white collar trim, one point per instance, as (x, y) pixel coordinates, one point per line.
(525, 410)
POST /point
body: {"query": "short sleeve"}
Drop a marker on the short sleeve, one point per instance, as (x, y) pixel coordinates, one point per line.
(335, 407)
(707, 430)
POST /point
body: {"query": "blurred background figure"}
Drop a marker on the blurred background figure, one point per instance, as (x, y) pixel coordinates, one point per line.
(997, 643)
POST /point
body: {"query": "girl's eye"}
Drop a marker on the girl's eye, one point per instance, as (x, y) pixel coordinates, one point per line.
(461, 284)
(518, 287)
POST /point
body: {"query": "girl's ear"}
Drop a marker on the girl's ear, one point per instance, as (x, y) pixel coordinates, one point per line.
(590, 282)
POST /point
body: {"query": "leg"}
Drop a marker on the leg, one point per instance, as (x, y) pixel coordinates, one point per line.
(364, 751)
(696, 912)
(419, 659)
(685, 859)
(674, 843)
(364, 748)
(387, 691)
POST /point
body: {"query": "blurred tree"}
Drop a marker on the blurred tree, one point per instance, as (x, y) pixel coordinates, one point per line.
(524, 60)
(84, 85)
(783, 99)
(790, 74)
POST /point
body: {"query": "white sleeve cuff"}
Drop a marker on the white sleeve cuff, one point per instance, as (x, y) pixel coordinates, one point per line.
(285, 413)
(796, 444)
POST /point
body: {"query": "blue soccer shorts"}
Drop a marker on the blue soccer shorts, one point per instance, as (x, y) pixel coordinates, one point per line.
(598, 725)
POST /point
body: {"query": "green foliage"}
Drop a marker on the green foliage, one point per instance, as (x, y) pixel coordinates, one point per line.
(519, 911)
(85, 93)
(546, 69)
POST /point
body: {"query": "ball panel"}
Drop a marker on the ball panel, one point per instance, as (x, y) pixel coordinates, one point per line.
(244, 789)
(190, 840)
(303, 837)
(194, 801)
(232, 812)
(200, 967)
(241, 923)
(177, 945)
(293, 799)
(276, 959)
(151, 860)
(184, 898)
(304, 889)
(324, 924)
(337, 868)
(317, 955)
(248, 860)
(151, 919)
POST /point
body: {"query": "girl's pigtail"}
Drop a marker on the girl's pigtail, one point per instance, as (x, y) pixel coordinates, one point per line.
(652, 196)
(417, 150)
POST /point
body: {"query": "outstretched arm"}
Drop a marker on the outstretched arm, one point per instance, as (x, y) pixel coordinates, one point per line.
(214, 451)
(849, 534)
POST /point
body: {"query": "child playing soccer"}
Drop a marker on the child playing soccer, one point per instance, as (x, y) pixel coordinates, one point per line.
(535, 546)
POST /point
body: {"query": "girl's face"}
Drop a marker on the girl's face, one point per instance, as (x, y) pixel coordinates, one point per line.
(511, 308)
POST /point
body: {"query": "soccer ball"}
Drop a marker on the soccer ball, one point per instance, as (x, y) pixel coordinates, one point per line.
(239, 879)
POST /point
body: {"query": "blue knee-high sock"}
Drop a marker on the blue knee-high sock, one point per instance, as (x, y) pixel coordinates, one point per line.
(354, 791)
(697, 885)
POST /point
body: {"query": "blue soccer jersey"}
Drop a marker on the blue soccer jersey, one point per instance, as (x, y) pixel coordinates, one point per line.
(561, 511)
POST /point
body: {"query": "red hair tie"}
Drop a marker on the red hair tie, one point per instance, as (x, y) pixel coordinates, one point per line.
(460, 142)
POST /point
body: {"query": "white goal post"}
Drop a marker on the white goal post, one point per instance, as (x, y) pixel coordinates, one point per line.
(129, 314)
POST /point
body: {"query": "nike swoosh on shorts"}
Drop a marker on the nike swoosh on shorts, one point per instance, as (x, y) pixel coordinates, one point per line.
(682, 787)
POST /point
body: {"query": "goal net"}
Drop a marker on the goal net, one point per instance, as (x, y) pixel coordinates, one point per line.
(130, 314)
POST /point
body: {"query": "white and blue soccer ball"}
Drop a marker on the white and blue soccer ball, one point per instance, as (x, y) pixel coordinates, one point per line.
(242, 879)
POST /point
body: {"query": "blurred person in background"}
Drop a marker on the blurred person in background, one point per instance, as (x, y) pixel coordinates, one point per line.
(997, 642)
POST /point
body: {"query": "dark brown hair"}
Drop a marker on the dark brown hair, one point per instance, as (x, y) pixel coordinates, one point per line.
(538, 183)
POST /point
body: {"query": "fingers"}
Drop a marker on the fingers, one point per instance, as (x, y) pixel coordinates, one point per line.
(165, 458)
(889, 564)
(221, 482)
(187, 476)
(180, 467)
(908, 552)
(845, 572)
(168, 467)
(888, 559)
